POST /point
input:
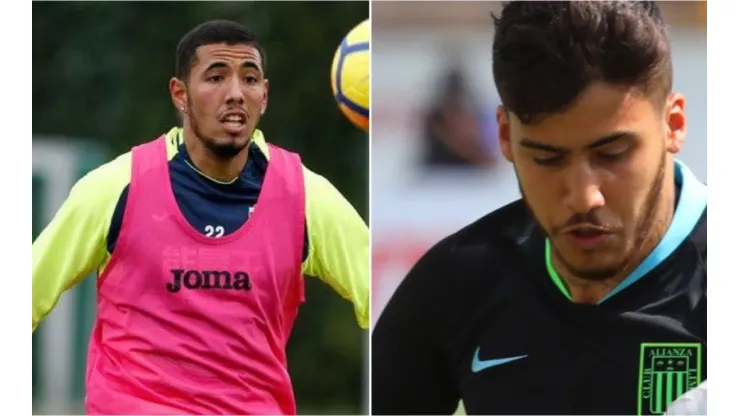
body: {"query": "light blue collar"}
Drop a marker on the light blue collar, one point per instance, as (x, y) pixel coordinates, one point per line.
(691, 206)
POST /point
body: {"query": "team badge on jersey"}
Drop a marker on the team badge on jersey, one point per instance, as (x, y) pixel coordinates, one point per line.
(667, 370)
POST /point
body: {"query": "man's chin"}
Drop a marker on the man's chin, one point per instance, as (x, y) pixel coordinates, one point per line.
(593, 266)
(596, 273)
(227, 149)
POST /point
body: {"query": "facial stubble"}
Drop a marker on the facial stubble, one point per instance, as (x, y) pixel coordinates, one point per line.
(222, 151)
(643, 231)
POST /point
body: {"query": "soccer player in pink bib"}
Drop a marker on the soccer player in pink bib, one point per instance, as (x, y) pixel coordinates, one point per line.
(201, 238)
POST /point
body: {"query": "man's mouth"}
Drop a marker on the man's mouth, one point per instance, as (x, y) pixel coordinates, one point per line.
(234, 123)
(587, 232)
(588, 237)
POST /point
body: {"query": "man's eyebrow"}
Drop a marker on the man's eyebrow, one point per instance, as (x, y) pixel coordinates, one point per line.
(611, 138)
(221, 64)
(252, 65)
(215, 65)
(620, 135)
(533, 144)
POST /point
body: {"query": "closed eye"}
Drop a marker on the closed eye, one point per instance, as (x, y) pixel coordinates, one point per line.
(549, 161)
(613, 157)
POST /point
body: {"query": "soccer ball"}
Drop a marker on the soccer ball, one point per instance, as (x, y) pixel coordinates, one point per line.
(350, 76)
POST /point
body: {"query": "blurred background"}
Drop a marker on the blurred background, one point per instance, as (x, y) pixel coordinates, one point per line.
(436, 164)
(100, 74)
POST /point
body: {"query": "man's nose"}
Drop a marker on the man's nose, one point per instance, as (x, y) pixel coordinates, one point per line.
(583, 193)
(235, 94)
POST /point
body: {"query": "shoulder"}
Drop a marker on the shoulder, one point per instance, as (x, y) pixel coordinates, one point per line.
(469, 267)
(327, 208)
(465, 274)
(317, 184)
(492, 241)
(691, 254)
(99, 192)
(94, 198)
(319, 190)
(105, 183)
(699, 235)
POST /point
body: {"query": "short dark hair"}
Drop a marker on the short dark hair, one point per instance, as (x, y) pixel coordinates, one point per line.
(209, 33)
(546, 53)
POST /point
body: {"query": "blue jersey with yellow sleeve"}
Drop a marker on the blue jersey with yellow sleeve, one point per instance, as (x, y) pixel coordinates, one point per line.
(82, 235)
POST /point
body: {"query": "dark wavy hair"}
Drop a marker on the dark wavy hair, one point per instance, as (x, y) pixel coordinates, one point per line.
(546, 53)
(209, 33)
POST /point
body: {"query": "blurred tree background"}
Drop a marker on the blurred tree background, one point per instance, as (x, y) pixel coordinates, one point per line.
(100, 73)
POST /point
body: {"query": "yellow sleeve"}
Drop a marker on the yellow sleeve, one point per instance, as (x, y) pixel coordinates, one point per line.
(339, 244)
(73, 245)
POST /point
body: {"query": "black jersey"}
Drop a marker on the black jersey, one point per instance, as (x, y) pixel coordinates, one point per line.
(479, 319)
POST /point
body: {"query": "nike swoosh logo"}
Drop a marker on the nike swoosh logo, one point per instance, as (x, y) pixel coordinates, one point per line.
(479, 365)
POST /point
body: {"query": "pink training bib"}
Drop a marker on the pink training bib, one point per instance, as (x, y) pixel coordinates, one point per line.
(188, 324)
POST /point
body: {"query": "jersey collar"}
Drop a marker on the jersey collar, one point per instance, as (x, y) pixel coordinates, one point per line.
(691, 206)
(174, 140)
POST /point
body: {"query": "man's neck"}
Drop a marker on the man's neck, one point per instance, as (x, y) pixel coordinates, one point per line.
(214, 167)
(592, 292)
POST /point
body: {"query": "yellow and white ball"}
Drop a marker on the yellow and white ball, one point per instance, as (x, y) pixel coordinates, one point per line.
(350, 76)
